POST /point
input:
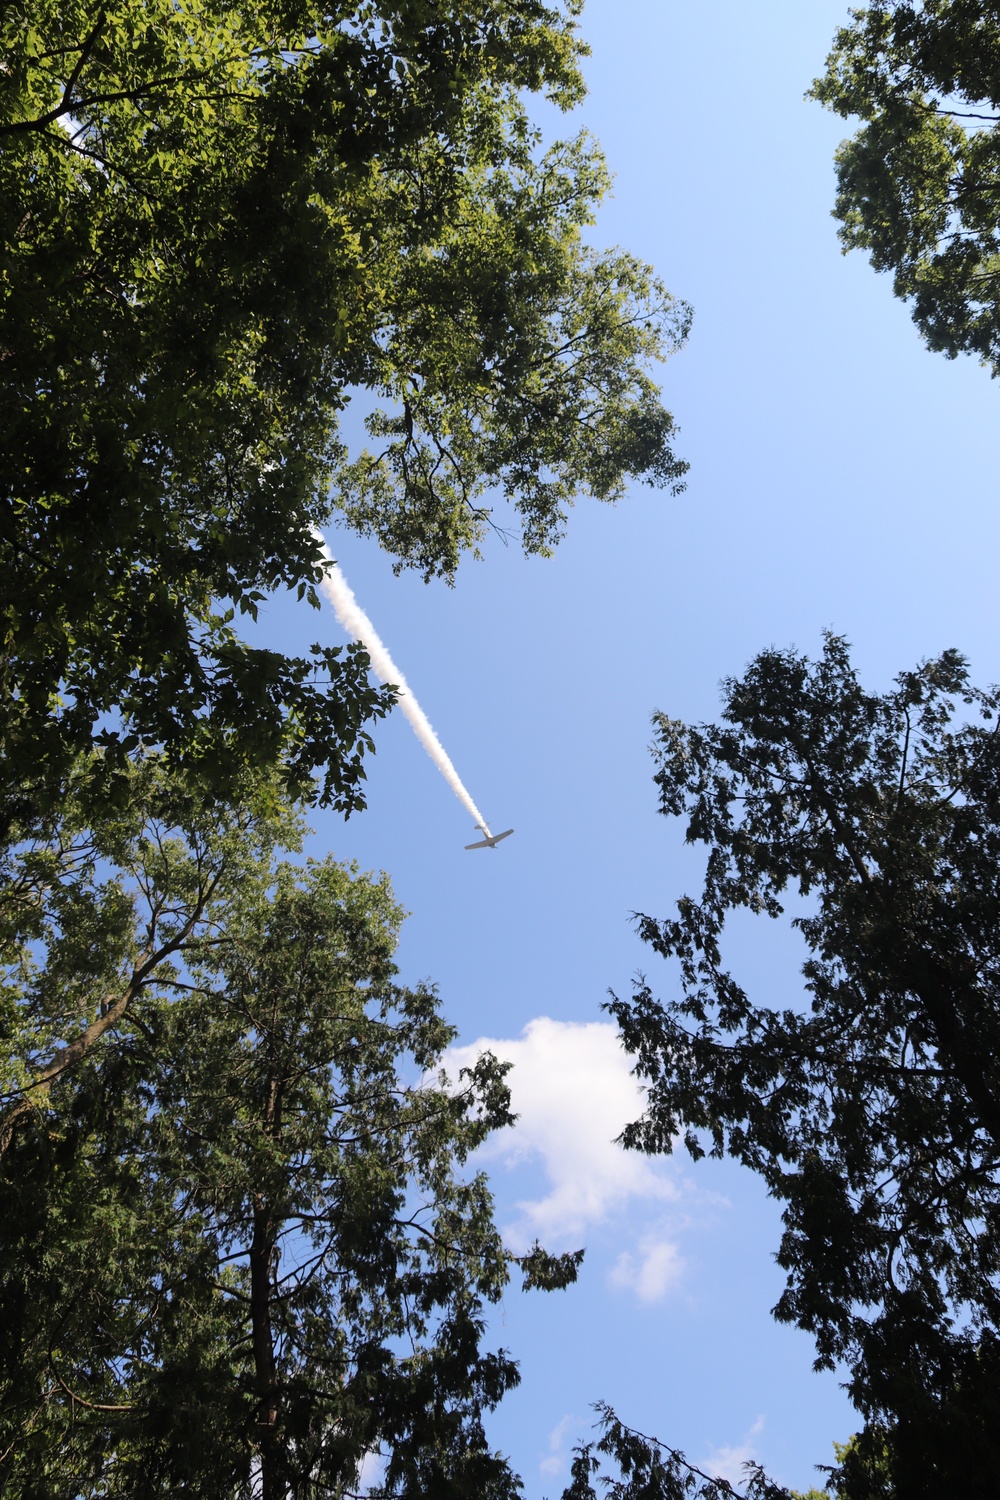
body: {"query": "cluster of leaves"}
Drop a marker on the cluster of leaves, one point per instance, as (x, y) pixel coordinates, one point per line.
(919, 184)
(644, 1468)
(219, 220)
(873, 1114)
(240, 1252)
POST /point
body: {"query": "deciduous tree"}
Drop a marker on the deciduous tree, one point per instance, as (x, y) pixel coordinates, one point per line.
(870, 1105)
(919, 182)
(219, 223)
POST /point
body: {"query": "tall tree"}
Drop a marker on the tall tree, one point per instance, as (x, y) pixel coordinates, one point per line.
(870, 1108)
(919, 183)
(241, 1254)
(218, 223)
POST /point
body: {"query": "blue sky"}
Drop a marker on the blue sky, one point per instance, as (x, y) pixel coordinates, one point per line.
(841, 476)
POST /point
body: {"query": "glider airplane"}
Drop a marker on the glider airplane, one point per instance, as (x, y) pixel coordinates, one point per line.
(491, 840)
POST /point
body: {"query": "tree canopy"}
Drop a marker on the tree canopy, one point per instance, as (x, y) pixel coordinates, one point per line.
(221, 222)
(871, 1110)
(919, 183)
(241, 1252)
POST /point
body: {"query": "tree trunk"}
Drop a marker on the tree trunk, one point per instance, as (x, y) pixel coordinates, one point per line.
(261, 1261)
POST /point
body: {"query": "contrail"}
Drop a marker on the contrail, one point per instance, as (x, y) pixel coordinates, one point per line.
(357, 624)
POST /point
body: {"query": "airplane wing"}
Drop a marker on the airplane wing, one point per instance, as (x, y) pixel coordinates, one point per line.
(491, 842)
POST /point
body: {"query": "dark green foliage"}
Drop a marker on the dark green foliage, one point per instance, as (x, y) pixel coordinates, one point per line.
(218, 222)
(919, 184)
(872, 1112)
(239, 1253)
(863, 1470)
(942, 1442)
(644, 1468)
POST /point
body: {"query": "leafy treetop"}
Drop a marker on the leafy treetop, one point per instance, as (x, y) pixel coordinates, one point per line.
(871, 1108)
(919, 183)
(242, 1251)
(220, 222)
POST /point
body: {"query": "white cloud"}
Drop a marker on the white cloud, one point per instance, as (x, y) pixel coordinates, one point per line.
(557, 1459)
(573, 1092)
(727, 1463)
(652, 1273)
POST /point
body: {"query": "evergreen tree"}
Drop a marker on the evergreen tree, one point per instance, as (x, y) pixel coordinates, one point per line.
(241, 1254)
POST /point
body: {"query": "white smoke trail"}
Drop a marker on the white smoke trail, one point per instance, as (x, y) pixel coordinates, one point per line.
(357, 624)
